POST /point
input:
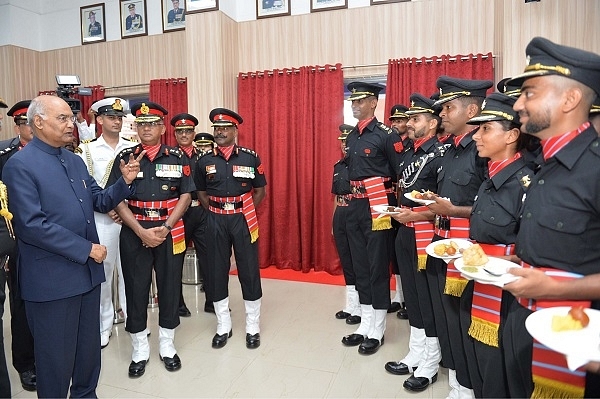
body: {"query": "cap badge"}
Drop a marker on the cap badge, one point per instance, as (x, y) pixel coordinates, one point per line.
(528, 60)
(144, 109)
(354, 90)
(441, 91)
(183, 121)
(483, 104)
(412, 104)
(117, 106)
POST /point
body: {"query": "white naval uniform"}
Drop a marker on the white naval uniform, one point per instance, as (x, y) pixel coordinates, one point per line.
(101, 155)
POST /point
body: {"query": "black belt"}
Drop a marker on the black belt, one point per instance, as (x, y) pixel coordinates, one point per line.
(226, 205)
(149, 212)
(442, 222)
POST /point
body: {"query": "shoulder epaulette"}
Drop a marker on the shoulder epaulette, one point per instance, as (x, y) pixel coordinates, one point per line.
(129, 150)
(172, 151)
(385, 128)
(89, 140)
(8, 149)
(248, 150)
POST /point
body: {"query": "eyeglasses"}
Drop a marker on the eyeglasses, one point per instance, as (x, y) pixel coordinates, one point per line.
(66, 118)
(182, 132)
(149, 124)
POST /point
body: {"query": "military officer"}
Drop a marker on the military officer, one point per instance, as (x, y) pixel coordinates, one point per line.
(231, 183)
(372, 152)
(99, 155)
(343, 194)
(23, 356)
(152, 236)
(4, 380)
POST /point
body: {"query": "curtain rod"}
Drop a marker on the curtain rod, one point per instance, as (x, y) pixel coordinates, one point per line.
(418, 61)
(127, 86)
(289, 71)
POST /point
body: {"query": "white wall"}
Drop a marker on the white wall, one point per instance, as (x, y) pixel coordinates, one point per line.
(44, 25)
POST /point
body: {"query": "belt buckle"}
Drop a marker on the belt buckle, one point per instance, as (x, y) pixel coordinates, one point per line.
(152, 213)
(355, 190)
(228, 206)
(195, 203)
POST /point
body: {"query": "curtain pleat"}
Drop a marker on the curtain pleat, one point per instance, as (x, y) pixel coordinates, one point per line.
(172, 95)
(291, 119)
(86, 103)
(418, 75)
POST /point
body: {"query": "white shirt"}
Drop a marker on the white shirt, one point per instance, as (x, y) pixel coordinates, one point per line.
(86, 132)
(98, 156)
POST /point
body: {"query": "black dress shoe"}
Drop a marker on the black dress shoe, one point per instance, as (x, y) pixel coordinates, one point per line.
(398, 368)
(341, 315)
(252, 341)
(353, 339)
(394, 307)
(219, 341)
(353, 319)
(418, 383)
(403, 313)
(137, 369)
(184, 311)
(370, 346)
(28, 380)
(171, 363)
(209, 307)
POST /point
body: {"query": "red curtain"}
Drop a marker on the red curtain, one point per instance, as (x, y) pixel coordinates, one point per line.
(410, 75)
(86, 103)
(172, 95)
(291, 120)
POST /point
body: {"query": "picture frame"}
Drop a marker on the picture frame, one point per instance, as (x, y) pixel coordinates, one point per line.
(272, 8)
(194, 6)
(326, 5)
(133, 18)
(93, 23)
(173, 15)
(375, 2)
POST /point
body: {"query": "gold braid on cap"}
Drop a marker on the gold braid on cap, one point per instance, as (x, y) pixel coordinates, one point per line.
(4, 212)
(498, 113)
(539, 67)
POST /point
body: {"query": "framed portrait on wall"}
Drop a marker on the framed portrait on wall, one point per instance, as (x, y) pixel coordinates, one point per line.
(326, 5)
(373, 2)
(173, 15)
(272, 8)
(92, 23)
(133, 18)
(193, 6)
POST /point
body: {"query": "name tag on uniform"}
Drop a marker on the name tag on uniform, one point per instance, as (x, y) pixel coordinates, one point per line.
(211, 169)
(245, 172)
(174, 171)
(140, 175)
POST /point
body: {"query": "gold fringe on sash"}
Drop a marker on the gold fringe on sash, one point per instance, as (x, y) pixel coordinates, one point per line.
(179, 247)
(421, 262)
(382, 223)
(254, 235)
(546, 388)
(455, 287)
(484, 331)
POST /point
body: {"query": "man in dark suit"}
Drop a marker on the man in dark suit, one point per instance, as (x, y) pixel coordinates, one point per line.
(60, 258)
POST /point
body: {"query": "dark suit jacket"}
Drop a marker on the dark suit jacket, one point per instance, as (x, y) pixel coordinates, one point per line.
(53, 198)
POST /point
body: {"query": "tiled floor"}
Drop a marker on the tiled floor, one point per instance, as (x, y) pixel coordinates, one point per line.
(300, 354)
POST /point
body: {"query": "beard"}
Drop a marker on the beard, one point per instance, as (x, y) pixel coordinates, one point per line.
(539, 122)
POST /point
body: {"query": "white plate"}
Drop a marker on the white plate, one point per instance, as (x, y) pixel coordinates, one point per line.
(417, 200)
(495, 265)
(583, 344)
(383, 209)
(462, 244)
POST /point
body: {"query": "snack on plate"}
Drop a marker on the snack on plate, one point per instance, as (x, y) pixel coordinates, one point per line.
(576, 319)
(446, 249)
(416, 194)
(474, 256)
(390, 209)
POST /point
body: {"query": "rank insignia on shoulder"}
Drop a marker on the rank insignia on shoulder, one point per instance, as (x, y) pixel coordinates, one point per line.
(385, 128)
(248, 150)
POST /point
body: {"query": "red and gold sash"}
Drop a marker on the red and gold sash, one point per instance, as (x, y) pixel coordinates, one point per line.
(459, 228)
(246, 208)
(177, 232)
(487, 301)
(376, 192)
(551, 375)
(423, 235)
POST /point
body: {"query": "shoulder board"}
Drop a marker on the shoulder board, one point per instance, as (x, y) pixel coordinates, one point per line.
(338, 162)
(385, 128)
(89, 140)
(128, 139)
(77, 150)
(205, 153)
(248, 150)
(595, 147)
(129, 150)
(8, 149)
(172, 151)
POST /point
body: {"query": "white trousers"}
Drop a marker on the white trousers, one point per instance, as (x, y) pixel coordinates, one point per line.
(108, 232)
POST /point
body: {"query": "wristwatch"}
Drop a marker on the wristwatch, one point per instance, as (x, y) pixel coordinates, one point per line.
(167, 226)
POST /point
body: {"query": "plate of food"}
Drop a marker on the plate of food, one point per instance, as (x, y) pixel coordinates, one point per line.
(386, 209)
(420, 197)
(476, 265)
(572, 331)
(447, 249)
